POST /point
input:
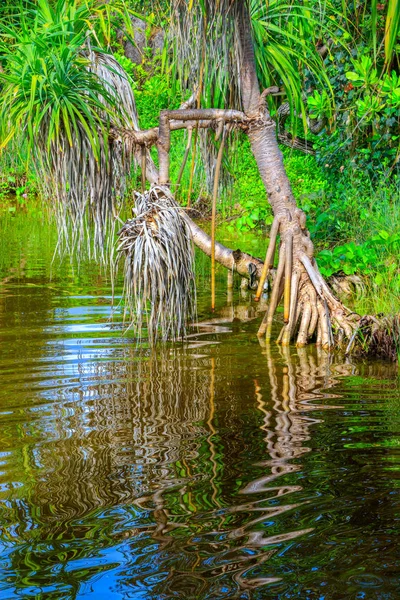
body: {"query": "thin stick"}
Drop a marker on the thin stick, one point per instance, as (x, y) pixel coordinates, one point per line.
(189, 196)
(144, 153)
(269, 258)
(185, 157)
(288, 276)
(213, 218)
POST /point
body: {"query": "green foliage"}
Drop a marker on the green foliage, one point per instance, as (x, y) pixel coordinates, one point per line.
(318, 105)
(348, 258)
(363, 69)
(372, 248)
(286, 34)
(248, 196)
(48, 89)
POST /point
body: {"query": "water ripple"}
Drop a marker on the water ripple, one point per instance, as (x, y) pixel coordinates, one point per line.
(215, 469)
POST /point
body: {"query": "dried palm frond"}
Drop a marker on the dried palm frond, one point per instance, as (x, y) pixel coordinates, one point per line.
(62, 97)
(159, 288)
(89, 189)
(205, 48)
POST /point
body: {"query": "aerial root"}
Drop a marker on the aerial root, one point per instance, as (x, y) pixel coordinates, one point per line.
(143, 167)
(287, 331)
(302, 336)
(310, 308)
(288, 275)
(269, 258)
(266, 325)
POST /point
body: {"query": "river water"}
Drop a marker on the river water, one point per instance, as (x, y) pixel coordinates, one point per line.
(214, 469)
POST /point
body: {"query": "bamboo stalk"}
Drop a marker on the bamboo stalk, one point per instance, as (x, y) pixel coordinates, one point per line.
(269, 258)
(185, 157)
(213, 217)
(189, 196)
(288, 276)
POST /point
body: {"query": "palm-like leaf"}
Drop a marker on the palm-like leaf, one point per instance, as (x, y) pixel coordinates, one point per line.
(63, 96)
(392, 29)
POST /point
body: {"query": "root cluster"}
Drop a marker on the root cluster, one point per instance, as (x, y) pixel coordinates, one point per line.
(310, 308)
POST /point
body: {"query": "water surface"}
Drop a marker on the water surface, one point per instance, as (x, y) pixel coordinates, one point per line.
(215, 469)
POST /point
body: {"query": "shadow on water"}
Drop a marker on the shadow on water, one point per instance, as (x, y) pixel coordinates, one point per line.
(218, 469)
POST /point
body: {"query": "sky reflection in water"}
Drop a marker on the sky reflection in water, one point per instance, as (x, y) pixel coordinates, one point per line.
(219, 469)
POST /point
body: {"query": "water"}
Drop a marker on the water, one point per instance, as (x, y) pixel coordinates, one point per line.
(219, 469)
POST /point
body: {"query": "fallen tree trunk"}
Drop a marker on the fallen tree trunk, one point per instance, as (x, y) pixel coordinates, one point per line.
(235, 260)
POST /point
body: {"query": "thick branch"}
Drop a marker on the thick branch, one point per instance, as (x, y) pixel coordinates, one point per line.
(180, 119)
(199, 114)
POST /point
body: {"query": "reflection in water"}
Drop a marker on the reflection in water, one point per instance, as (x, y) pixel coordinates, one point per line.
(166, 470)
(219, 469)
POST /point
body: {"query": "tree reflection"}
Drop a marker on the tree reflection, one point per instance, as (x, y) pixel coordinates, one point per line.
(178, 472)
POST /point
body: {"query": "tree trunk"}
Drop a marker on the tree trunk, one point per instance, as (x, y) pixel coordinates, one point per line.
(307, 297)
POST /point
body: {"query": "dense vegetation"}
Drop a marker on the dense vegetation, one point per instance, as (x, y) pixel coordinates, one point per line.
(349, 189)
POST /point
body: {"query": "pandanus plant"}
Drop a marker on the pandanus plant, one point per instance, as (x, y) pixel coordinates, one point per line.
(61, 95)
(223, 30)
(75, 107)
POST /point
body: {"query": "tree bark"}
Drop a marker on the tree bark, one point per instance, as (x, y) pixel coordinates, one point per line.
(313, 295)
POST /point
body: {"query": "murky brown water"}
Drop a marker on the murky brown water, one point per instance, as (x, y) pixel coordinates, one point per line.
(218, 469)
